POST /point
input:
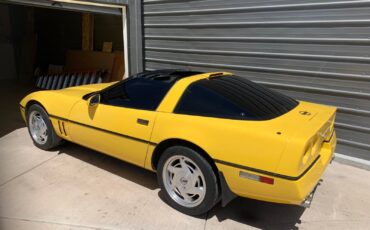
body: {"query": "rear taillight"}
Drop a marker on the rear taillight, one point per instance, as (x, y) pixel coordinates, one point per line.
(331, 128)
(267, 180)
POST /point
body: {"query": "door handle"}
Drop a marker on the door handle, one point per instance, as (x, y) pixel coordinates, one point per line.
(142, 121)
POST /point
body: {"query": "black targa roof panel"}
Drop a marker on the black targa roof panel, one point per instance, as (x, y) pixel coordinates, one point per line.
(170, 75)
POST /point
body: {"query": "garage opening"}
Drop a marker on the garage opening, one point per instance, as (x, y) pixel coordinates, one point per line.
(54, 45)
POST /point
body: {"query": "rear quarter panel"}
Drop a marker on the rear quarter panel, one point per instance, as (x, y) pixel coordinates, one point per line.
(250, 143)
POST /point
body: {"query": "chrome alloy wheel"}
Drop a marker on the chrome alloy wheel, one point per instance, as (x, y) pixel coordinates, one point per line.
(38, 128)
(184, 181)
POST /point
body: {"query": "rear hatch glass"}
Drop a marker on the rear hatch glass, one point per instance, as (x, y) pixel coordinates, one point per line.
(234, 97)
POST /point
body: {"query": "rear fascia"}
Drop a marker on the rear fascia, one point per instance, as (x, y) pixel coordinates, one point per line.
(305, 142)
(288, 191)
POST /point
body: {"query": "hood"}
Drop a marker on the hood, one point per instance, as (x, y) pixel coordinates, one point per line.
(79, 91)
(59, 102)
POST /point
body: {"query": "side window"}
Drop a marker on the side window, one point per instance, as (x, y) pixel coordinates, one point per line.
(137, 93)
(202, 101)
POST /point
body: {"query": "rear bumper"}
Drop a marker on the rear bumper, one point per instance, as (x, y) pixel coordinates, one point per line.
(288, 190)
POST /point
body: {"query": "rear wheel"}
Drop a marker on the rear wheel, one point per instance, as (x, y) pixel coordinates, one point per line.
(41, 129)
(187, 180)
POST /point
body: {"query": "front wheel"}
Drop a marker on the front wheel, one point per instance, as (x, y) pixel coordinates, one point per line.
(41, 129)
(187, 180)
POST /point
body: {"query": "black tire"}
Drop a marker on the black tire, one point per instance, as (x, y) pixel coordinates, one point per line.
(53, 139)
(211, 192)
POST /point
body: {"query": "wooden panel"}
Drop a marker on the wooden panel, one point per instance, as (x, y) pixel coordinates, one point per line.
(118, 66)
(87, 31)
(79, 60)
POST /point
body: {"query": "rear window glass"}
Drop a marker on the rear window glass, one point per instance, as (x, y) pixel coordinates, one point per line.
(233, 97)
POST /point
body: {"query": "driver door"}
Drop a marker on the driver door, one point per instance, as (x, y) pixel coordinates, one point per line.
(121, 122)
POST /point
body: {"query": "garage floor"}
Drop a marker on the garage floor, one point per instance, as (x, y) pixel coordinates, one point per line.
(77, 188)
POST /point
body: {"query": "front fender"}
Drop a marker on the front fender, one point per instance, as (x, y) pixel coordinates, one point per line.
(55, 103)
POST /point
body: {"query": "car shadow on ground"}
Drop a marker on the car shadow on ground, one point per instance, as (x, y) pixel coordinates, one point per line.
(258, 214)
(115, 166)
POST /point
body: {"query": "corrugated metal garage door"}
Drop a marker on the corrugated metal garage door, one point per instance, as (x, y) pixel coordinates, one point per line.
(312, 50)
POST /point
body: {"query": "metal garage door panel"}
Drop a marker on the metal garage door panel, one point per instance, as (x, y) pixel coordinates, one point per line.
(313, 50)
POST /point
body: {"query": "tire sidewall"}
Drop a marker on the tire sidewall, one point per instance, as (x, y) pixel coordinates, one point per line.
(211, 195)
(50, 131)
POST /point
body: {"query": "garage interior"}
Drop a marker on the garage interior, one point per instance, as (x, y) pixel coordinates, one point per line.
(45, 48)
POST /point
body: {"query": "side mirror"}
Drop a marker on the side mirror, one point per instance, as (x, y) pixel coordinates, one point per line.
(94, 100)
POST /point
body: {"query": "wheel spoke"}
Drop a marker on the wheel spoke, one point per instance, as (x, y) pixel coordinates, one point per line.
(38, 120)
(39, 133)
(173, 185)
(184, 194)
(183, 163)
(187, 197)
(195, 174)
(33, 122)
(43, 129)
(180, 190)
(185, 166)
(194, 177)
(195, 190)
(173, 169)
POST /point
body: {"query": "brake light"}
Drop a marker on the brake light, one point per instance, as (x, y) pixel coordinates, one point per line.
(267, 180)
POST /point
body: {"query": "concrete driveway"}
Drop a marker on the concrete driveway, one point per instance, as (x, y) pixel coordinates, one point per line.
(77, 188)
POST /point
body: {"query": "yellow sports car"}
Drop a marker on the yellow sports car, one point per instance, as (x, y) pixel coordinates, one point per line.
(209, 136)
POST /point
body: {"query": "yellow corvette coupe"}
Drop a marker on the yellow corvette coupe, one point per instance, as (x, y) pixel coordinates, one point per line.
(209, 136)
